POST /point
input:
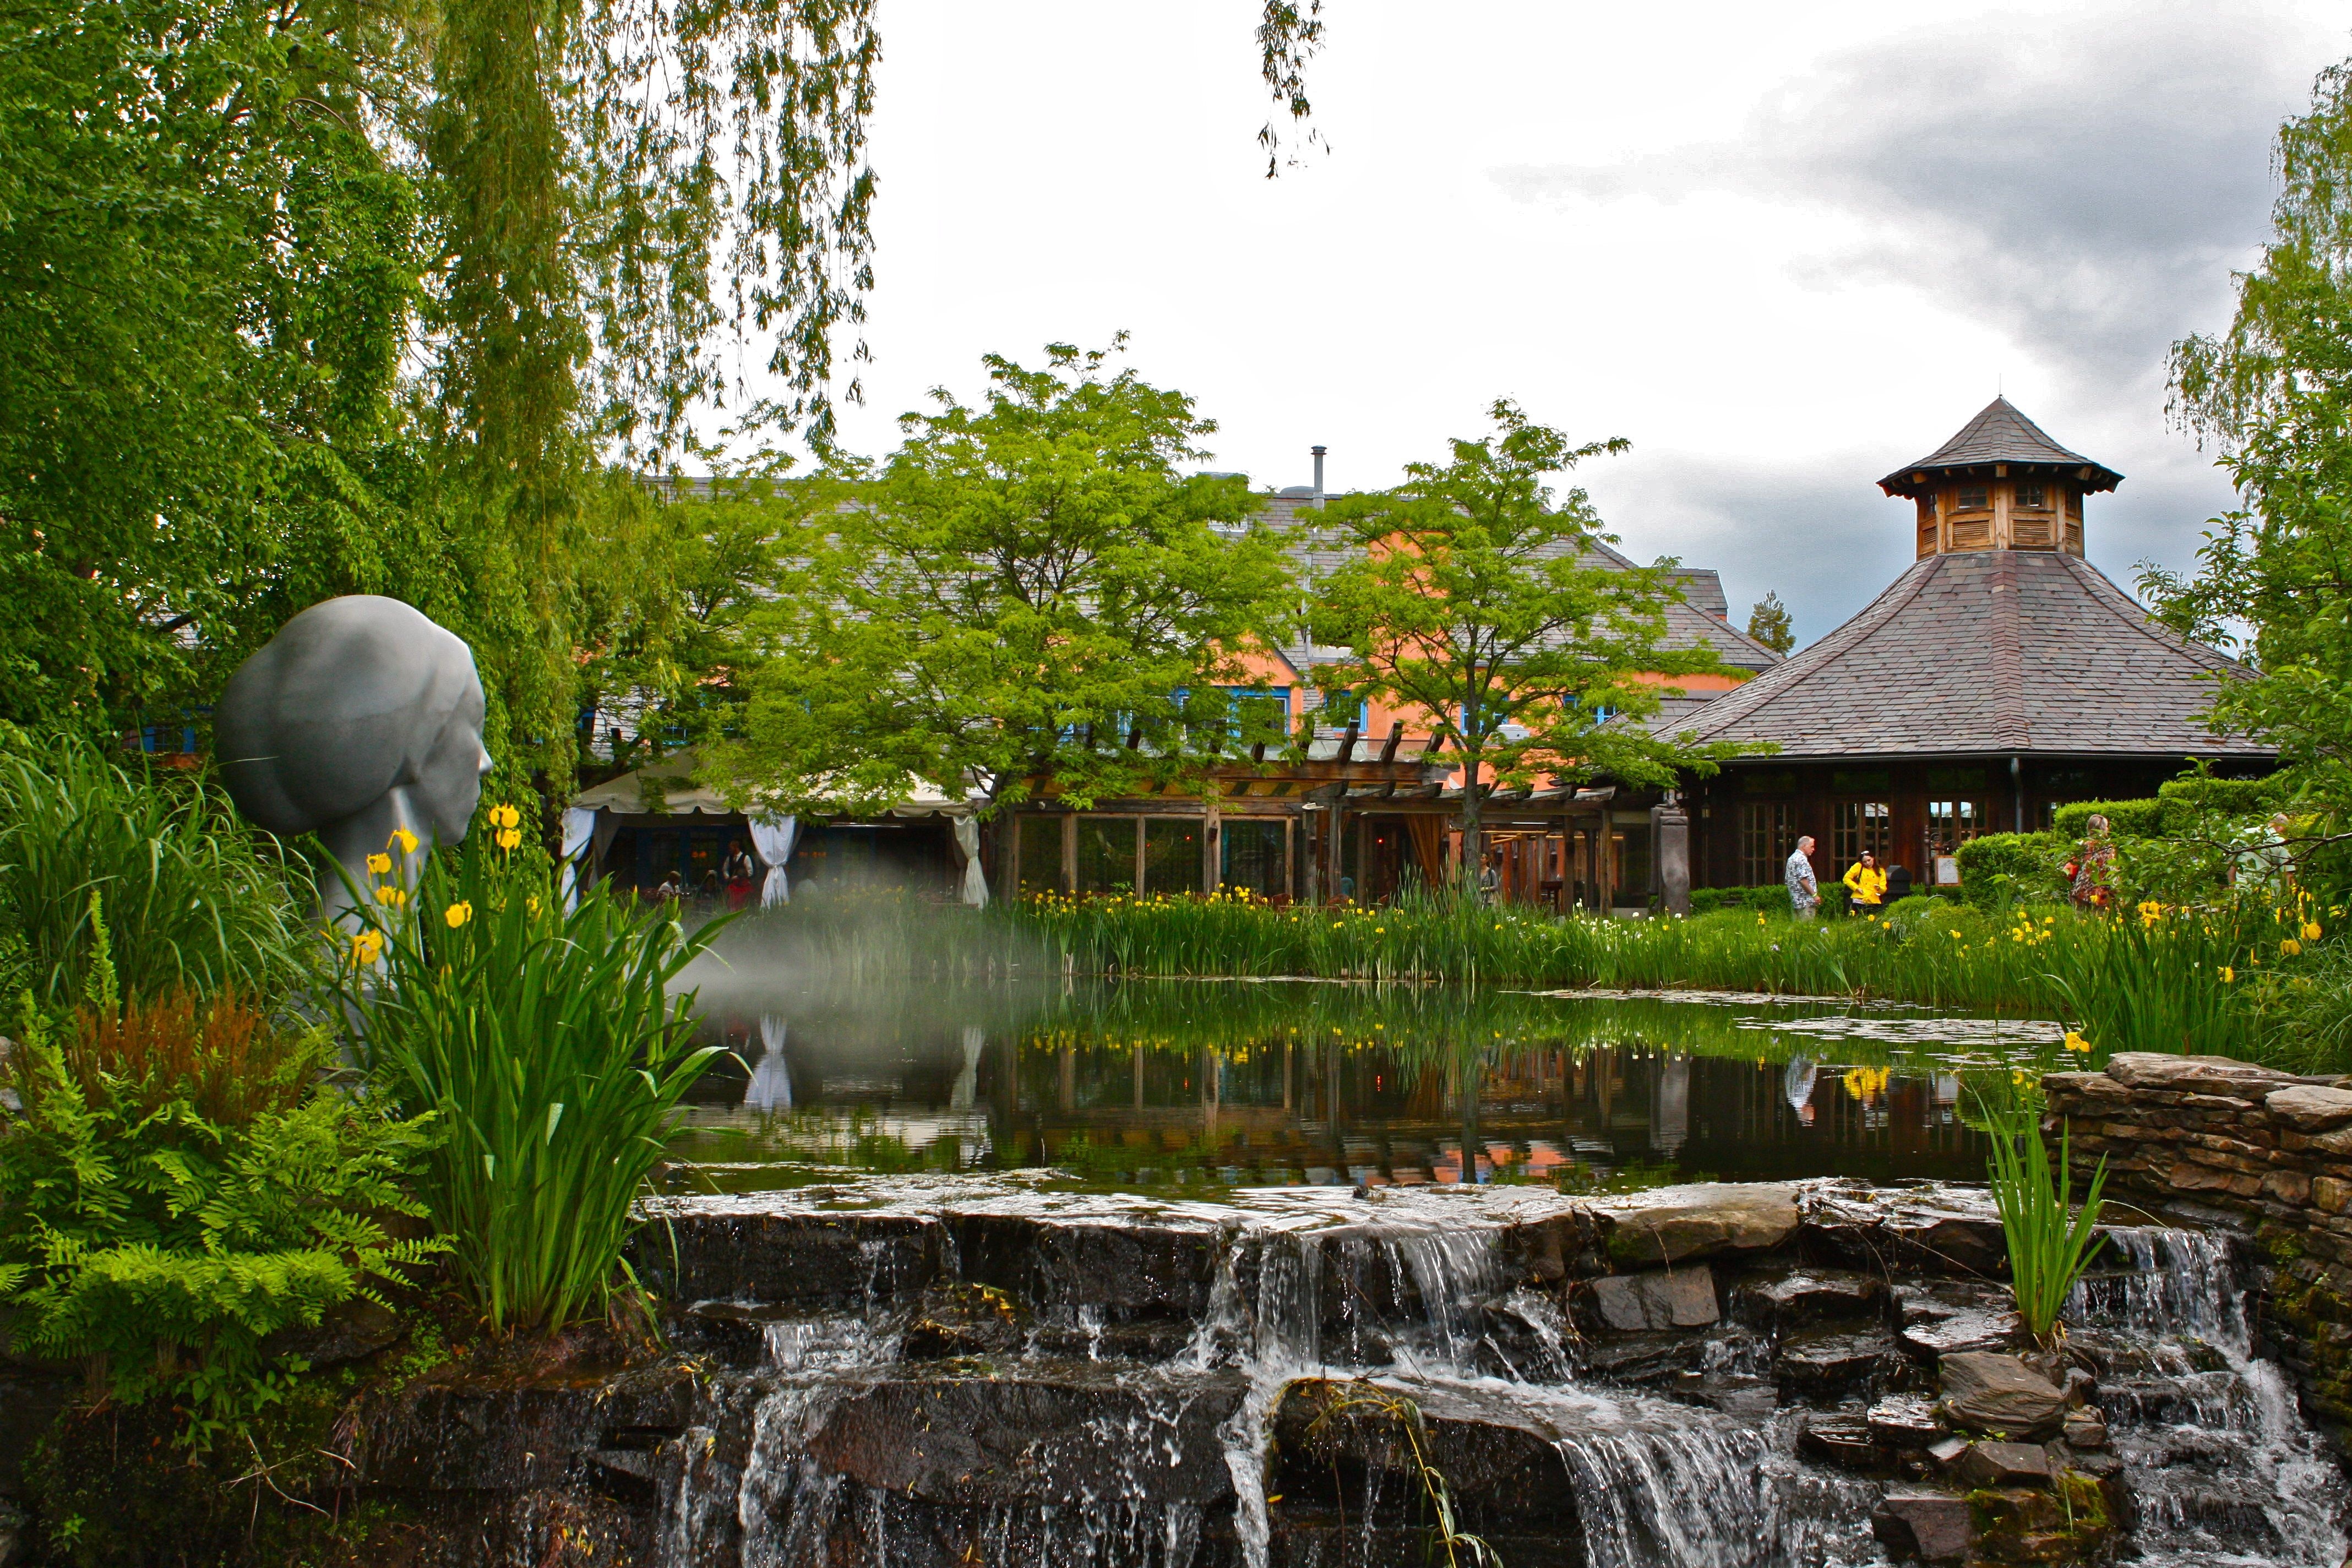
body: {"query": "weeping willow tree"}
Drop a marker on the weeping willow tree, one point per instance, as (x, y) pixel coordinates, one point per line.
(302, 296)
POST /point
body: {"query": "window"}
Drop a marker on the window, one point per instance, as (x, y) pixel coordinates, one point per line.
(1768, 835)
(1342, 707)
(1971, 498)
(2029, 492)
(1952, 823)
(1107, 854)
(1171, 855)
(1858, 826)
(1251, 848)
(1041, 853)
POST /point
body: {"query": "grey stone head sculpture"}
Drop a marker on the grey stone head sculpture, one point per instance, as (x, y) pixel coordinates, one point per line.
(360, 719)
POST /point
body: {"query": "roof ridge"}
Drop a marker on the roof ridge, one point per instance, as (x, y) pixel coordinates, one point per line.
(2006, 638)
(1810, 660)
(2137, 616)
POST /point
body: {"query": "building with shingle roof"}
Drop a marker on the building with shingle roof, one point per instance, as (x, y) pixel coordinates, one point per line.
(2001, 676)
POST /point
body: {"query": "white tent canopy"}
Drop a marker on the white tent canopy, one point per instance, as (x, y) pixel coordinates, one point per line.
(668, 788)
(674, 792)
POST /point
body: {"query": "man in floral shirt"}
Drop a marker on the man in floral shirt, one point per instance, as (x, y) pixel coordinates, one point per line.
(1804, 891)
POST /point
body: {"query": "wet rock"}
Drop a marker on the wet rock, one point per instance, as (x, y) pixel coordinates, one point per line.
(2084, 1429)
(1933, 1227)
(2081, 1385)
(1924, 1527)
(1797, 1298)
(1812, 1366)
(965, 1320)
(1047, 1437)
(1344, 1445)
(357, 1328)
(1987, 1392)
(1661, 1299)
(2025, 1524)
(2309, 1108)
(453, 1431)
(1907, 1422)
(1943, 1318)
(1842, 1440)
(2194, 1075)
(1948, 1450)
(1667, 1224)
(1135, 1268)
(1733, 1393)
(2003, 1465)
(1642, 1358)
(740, 1248)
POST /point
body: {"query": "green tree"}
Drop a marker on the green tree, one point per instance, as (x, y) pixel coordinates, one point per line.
(1768, 623)
(2274, 395)
(299, 301)
(1025, 593)
(1474, 596)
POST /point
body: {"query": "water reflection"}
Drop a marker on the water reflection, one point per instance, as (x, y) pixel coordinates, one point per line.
(1163, 1085)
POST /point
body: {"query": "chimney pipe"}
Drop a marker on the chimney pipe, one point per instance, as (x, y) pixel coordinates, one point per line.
(1318, 472)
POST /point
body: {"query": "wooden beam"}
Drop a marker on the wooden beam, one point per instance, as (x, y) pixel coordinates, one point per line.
(1347, 743)
(1396, 733)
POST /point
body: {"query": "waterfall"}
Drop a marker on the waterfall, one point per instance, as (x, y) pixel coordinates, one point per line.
(2224, 1469)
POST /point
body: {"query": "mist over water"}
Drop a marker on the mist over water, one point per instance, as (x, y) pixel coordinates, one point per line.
(889, 1037)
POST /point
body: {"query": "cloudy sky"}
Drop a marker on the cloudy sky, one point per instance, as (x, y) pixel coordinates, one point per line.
(1784, 249)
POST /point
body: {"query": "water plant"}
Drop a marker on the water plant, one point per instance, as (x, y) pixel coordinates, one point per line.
(2050, 1241)
(2157, 979)
(549, 1045)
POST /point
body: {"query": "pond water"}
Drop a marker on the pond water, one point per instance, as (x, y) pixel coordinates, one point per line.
(1163, 1085)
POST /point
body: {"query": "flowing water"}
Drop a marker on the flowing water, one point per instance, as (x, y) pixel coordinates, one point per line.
(1080, 1442)
(1246, 1191)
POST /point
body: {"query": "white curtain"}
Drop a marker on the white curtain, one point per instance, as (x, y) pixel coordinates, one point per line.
(967, 1083)
(770, 1088)
(975, 879)
(579, 827)
(772, 837)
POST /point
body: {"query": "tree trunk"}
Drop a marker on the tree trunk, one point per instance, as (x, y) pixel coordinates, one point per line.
(1467, 862)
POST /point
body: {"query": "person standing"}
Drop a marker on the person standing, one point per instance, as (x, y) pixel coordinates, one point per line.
(1804, 888)
(1867, 883)
(737, 874)
(2093, 867)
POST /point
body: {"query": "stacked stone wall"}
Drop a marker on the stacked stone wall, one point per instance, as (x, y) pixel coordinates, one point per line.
(2203, 1140)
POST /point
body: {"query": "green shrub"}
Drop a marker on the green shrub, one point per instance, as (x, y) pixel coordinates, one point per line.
(550, 1046)
(2126, 818)
(2000, 869)
(2048, 1245)
(2225, 797)
(1772, 898)
(178, 1187)
(194, 900)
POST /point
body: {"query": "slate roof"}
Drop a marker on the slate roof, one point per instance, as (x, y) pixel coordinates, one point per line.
(1701, 620)
(1999, 434)
(1988, 652)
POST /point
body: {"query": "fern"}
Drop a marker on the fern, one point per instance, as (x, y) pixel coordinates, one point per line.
(162, 1248)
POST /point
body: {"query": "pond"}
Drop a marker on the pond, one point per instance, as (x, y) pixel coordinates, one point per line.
(1167, 1085)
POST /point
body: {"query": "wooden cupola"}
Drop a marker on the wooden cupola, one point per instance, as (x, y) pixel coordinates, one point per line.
(1999, 484)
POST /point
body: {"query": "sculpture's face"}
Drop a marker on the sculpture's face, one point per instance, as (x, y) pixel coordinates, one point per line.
(448, 784)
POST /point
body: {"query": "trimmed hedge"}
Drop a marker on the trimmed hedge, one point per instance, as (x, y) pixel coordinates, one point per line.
(1771, 899)
(1997, 868)
(2126, 818)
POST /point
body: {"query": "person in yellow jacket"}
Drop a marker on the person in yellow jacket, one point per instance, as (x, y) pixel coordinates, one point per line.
(1867, 883)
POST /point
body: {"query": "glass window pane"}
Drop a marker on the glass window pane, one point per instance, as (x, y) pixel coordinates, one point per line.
(1041, 853)
(1107, 854)
(1251, 849)
(1171, 855)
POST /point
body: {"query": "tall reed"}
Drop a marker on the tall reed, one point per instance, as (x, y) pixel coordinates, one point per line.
(553, 1053)
(197, 901)
(2050, 1241)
